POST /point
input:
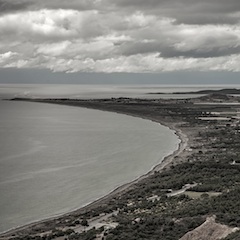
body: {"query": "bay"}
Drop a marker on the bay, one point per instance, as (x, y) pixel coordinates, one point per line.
(54, 159)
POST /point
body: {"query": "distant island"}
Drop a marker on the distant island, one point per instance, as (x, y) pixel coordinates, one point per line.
(230, 91)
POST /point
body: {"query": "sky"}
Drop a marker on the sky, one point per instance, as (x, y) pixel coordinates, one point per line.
(120, 36)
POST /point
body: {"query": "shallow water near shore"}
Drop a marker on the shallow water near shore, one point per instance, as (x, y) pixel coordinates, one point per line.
(54, 159)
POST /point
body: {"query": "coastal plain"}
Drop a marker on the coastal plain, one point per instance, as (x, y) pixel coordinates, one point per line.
(193, 194)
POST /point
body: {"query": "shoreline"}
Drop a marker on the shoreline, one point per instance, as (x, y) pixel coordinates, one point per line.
(166, 161)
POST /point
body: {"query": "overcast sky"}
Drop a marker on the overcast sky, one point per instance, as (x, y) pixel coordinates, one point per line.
(135, 36)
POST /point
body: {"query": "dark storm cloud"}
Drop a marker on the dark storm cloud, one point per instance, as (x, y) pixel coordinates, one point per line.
(187, 11)
(13, 6)
(129, 49)
(166, 51)
(213, 5)
(184, 11)
(73, 4)
(214, 52)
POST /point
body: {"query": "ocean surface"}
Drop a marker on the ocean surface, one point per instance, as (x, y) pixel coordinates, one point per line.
(54, 159)
(84, 91)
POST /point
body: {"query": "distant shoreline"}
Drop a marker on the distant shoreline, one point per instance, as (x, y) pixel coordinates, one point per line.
(167, 160)
(231, 91)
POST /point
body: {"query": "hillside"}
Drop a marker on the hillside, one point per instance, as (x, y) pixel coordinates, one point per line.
(231, 91)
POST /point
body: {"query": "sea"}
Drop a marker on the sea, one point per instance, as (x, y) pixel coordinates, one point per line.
(55, 159)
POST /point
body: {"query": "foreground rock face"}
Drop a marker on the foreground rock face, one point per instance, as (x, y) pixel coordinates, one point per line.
(209, 230)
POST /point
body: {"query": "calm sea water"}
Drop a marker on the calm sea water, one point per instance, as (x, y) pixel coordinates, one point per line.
(54, 159)
(101, 91)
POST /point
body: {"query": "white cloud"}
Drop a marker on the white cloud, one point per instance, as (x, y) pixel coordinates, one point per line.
(7, 56)
(142, 64)
(139, 20)
(53, 49)
(49, 25)
(115, 39)
(207, 37)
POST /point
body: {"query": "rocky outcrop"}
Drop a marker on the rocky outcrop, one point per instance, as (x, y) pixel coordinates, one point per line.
(209, 230)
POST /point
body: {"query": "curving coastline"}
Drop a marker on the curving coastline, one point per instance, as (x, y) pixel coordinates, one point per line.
(121, 189)
(178, 195)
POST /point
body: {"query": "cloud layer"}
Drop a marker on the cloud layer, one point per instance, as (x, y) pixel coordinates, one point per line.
(120, 35)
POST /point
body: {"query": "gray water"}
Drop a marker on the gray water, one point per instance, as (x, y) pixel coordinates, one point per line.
(102, 91)
(54, 159)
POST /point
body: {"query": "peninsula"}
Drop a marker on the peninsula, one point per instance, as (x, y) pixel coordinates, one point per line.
(231, 91)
